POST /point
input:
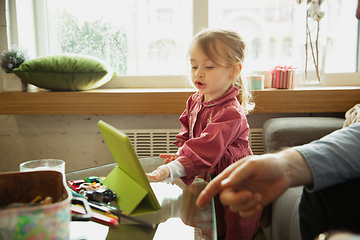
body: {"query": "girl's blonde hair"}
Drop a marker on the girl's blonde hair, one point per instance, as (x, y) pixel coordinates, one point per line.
(227, 49)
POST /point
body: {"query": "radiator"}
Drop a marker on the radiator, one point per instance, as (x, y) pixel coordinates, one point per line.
(152, 142)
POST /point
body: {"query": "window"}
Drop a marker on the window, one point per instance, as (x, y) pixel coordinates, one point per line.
(255, 48)
(138, 38)
(287, 48)
(272, 47)
(146, 41)
(282, 22)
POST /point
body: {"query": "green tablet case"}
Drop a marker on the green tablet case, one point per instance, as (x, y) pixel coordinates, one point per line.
(134, 193)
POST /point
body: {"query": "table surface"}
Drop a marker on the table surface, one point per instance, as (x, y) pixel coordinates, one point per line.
(179, 217)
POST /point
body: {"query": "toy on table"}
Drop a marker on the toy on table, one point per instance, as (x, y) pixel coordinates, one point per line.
(93, 179)
(75, 184)
(100, 195)
(92, 189)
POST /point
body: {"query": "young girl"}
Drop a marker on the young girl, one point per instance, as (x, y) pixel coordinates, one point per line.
(214, 130)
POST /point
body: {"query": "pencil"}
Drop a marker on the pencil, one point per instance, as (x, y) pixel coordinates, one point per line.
(101, 211)
(96, 216)
(119, 213)
(108, 213)
(137, 220)
(99, 207)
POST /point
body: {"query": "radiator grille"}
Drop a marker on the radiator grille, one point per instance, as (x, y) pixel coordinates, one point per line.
(148, 143)
(152, 142)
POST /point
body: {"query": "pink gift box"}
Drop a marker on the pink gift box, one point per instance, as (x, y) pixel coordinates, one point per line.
(282, 77)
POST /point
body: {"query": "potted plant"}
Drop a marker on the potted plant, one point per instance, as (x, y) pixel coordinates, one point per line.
(10, 60)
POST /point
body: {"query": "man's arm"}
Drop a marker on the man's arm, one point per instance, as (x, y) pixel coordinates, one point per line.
(334, 158)
(255, 181)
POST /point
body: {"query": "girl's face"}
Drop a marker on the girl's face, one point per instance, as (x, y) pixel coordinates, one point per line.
(210, 79)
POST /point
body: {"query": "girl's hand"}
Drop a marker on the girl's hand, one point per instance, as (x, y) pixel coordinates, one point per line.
(168, 157)
(160, 174)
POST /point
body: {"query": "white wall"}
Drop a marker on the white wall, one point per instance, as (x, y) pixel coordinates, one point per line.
(3, 39)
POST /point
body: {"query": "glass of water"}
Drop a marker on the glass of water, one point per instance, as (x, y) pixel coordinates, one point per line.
(42, 165)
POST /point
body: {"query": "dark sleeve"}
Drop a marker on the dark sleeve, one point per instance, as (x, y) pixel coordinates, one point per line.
(334, 158)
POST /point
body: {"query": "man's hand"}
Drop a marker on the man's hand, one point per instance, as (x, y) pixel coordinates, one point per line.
(255, 181)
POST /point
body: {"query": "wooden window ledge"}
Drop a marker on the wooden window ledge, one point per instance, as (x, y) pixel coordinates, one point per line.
(169, 101)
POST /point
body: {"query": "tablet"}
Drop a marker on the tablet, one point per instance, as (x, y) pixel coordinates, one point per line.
(134, 193)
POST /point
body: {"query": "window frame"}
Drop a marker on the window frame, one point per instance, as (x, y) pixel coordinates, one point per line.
(200, 20)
